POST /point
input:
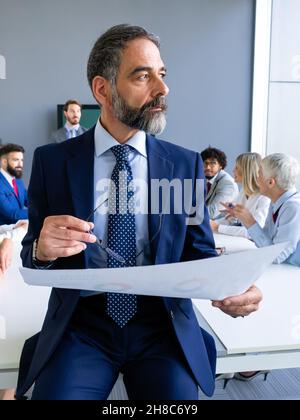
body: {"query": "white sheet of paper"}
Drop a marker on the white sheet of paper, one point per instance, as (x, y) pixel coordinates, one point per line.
(212, 278)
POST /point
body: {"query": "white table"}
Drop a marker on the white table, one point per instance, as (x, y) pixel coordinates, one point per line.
(233, 244)
(268, 339)
(22, 310)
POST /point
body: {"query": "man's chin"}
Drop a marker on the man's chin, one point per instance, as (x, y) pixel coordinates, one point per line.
(157, 124)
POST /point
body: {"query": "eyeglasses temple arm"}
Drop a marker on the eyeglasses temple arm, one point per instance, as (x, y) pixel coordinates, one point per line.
(92, 213)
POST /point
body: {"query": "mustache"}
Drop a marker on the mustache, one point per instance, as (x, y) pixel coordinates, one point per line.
(160, 102)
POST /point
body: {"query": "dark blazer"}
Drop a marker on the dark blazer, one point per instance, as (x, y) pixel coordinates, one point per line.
(12, 208)
(62, 182)
(61, 134)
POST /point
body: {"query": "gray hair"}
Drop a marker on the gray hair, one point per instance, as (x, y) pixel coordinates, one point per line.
(106, 55)
(283, 168)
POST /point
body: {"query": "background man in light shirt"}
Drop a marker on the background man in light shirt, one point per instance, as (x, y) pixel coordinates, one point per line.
(277, 179)
(72, 128)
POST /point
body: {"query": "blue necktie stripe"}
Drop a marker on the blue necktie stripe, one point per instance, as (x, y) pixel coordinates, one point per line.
(121, 234)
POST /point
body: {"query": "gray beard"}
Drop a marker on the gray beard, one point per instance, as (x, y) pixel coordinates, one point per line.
(141, 119)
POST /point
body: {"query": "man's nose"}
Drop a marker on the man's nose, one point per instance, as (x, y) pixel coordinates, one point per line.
(161, 88)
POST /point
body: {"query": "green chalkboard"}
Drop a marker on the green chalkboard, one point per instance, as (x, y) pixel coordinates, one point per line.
(89, 115)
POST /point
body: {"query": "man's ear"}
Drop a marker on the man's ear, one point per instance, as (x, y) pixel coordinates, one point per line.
(272, 182)
(3, 162)
(101, 89)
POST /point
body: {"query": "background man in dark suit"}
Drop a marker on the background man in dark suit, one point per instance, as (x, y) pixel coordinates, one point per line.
(13, 195)
(87, 339)
(72, 128)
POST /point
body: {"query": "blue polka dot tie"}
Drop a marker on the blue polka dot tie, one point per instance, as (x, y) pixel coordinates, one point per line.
(121, 234)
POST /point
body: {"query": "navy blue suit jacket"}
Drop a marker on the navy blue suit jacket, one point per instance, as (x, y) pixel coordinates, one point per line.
(62, 182)
(12, 208)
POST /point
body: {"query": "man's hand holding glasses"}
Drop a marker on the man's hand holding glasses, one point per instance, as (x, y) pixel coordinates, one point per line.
(63, 236)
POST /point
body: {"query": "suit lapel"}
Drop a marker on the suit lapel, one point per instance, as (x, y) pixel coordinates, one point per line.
(81, 174)
(9, 188)
(213, 188)
(21, 191)
(6, 184)
(160, 166)
(81, 177)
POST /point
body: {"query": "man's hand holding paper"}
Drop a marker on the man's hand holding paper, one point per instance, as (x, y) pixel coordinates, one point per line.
(242, 305)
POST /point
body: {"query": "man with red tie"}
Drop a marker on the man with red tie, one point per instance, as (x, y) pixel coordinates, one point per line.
(13, 195)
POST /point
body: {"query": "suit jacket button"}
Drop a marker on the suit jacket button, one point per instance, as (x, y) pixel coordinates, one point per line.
(172, 314)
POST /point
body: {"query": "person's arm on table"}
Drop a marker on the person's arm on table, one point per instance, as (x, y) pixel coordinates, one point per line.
(6, 251)
(288, 229)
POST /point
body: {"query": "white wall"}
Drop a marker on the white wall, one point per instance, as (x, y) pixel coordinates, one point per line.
(283, 134)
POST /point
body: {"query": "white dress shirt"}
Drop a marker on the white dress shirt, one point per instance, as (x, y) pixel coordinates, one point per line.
(257, 204)
(8, 177)
(104, 164)
(285, 229)
(72, 130)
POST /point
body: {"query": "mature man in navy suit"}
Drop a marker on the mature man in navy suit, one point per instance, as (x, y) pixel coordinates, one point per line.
(13, 195)
(88, 339)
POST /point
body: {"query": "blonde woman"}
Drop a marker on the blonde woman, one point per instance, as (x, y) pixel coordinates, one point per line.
(246, 174)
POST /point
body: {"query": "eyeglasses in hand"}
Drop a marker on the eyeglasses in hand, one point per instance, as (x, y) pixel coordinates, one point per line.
(108, 250)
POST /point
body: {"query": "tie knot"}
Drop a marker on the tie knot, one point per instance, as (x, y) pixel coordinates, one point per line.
(121, 153)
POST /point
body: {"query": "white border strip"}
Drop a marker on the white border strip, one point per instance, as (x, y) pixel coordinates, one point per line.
(2, 67)
(262, 52)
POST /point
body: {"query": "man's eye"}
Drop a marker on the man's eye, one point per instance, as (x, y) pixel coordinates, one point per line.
(143, 77)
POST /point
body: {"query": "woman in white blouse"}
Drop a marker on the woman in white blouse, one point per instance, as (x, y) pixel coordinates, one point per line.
(245, 173)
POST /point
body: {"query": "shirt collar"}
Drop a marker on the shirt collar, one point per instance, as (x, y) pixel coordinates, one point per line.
(7, 176)
(104, 141)
(283, 198)
(211, 181)
(71, 127)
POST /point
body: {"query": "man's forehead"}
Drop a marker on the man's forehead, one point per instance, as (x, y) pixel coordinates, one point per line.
(15, 155)
(73, 106)
(140, 53)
